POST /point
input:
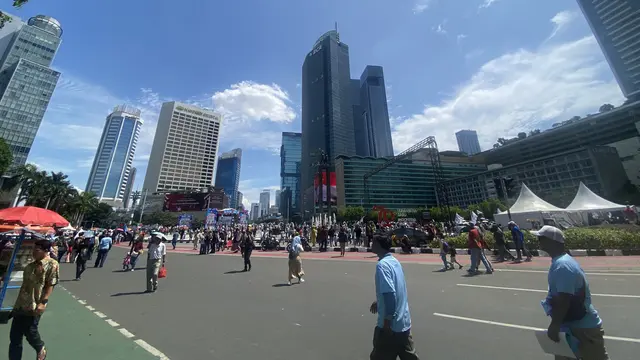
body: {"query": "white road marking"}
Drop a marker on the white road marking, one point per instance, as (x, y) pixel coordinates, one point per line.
(598, 273)
(91, 308)
(153, 351)
(543, 291)
(82, 302)
(522, 327)
(126, 333)
(112, 323)
(100, 315)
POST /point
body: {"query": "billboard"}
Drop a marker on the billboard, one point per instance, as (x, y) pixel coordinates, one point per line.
(318, 189)
(177, 202)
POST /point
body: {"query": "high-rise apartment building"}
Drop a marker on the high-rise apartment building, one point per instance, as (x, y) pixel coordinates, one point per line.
(371, 121)
(468, 142)
(228, 174)
(185, 149)
(265, 202)
(616, 26)
(111, 168)
(255, 211)
(128, 190)
(327, 110)
(290, 159)
(26, 79)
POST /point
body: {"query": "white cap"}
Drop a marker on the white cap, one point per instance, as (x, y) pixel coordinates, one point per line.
(550, 232)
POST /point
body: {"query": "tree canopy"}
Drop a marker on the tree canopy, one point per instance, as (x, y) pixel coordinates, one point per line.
(6, 157)
(4, 18)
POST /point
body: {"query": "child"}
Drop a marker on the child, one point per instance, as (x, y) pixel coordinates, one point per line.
(452, 253)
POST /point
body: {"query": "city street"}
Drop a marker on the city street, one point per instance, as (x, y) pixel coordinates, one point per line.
(206, 309)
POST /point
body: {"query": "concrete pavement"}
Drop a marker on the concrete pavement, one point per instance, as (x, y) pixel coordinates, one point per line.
(206, 309)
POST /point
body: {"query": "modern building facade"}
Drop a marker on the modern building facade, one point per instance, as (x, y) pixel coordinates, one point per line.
(228, 174)
(407, 184)
(128, 190)
(619, 128)
(468, 142)
(616, 26)
(265, 202)
(277, 198)
(26, 80)
(554, 178)
(290, 172)
(327, 110)
(255, 211)
(239, 198)
(111, 170)
(371, 124)
(185, 149)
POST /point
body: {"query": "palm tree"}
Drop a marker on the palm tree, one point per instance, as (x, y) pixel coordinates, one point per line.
(79, 204)
(58, 187)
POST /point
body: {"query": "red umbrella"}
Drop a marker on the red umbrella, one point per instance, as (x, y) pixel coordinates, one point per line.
(31, 215)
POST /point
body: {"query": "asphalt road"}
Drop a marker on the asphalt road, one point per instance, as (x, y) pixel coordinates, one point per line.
(204, 309)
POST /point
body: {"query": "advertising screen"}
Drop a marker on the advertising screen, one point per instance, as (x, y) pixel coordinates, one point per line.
(186, 202)
(318, 189)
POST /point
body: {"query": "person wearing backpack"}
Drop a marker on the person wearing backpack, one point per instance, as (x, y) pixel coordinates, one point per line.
(295, 262)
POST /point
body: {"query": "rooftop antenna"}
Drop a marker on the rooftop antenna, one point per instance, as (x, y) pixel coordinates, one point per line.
(336, 26)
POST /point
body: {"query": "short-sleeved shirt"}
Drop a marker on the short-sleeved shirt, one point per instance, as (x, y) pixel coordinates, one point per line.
(33, 282)
(390, 279)
(105, 243)
(566, 276)
(157, 251)
(474, 237)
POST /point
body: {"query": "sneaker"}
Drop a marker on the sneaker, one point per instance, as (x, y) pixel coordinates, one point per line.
(289, 283)
(301, 280)
(459, 267)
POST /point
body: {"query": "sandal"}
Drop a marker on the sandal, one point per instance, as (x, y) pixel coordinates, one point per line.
(42, 355)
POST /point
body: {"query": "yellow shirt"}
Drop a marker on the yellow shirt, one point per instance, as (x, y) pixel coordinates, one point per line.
(33, 282)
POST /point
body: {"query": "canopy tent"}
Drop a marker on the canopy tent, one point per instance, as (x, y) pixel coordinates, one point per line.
(586, 199)
(529, 202)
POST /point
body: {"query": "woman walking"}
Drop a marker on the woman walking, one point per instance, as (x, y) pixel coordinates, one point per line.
(295, 262)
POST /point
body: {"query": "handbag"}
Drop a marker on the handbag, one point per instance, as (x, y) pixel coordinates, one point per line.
(162, 273)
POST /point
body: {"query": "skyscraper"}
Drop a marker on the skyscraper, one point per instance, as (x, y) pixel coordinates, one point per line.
(239, 198)
(185, 149)
(327, 112)
(126, 201)
(265, 202)
(277, 199)
(616, 26)
(111, 168)
(255, 211)
(228, 174)
(290, 158)
(371, 123)
(468, 142)
(26, 81)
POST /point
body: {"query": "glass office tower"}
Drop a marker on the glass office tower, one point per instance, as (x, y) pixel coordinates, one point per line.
(290, 159)
(372, 127)
(111, 168)
(26, 81)
(228, 175)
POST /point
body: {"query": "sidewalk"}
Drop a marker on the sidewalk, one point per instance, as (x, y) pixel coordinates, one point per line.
(71, 331)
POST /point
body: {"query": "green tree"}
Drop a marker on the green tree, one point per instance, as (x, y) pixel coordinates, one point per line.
(98, 215)
(160, 218)
(4, 18)
(6, 157)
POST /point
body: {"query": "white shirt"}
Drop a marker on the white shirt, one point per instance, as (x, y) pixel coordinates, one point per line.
(157, 251)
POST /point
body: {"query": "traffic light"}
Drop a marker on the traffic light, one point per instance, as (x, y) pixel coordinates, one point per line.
(499, 189)
(510, 185)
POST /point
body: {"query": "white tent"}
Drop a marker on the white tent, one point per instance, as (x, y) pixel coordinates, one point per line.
(588, 200)
(529, 202)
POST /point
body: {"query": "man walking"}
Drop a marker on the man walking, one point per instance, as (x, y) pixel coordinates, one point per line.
(568, 301)
(155, 260)
(39, 278)
(248, 249)
(392, 335)
(103, 249)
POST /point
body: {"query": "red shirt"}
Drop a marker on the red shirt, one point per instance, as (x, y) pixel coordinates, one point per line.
(474, 238)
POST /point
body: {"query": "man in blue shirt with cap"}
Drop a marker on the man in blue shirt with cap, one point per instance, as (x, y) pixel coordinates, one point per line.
(392, 335)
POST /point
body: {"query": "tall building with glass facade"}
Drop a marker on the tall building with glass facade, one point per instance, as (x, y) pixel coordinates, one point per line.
(290, 160)
(371, 124)
(228, 175)
(616, 26)
(26, 79)
(126, 202)
(468, 142)
(111, 170)
(327, 110)
(265, 200)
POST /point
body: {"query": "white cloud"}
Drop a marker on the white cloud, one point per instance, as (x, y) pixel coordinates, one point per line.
(460, 37)
(561, 20)
(251, 190)
(440, 28)
(516, 92)
(421, 5)
(487, 3)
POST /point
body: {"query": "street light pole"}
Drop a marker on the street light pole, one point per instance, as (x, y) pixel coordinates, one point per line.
(144, 203)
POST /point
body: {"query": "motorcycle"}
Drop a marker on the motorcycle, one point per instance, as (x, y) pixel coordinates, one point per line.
(270, 243)
(305, 245)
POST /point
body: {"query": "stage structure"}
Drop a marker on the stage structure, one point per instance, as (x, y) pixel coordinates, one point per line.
(430, 144)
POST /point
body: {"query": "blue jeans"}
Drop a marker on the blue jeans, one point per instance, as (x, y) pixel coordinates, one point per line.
(443, 256)
(101, 258)
(477, 255)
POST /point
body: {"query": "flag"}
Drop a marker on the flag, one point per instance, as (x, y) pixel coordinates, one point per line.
(459, 219)
(474, 217)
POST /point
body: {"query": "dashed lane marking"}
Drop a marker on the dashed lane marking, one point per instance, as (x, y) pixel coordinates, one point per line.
(82, 302)
(543, 291)
(126, 333)
(100, 315)
(153, 351)
(112, 323)
(90, 308)
(522, 327)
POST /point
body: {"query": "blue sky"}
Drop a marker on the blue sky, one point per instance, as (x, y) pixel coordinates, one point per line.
(496, 66)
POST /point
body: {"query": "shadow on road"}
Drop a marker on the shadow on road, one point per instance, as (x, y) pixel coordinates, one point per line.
(235, 272)
(129, 293)
(280, 285)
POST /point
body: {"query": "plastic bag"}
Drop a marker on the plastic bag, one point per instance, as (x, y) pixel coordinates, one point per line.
(162, 273)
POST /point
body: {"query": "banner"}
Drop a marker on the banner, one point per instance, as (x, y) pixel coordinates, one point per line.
(317, 188)
(211, 219)
(185, 220)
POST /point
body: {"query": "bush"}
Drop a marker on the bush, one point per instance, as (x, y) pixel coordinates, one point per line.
(575, 238)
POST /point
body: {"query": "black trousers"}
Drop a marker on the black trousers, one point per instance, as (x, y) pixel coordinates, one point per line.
(247, 259)
(24, 326)
(81, 266)
(389, 345)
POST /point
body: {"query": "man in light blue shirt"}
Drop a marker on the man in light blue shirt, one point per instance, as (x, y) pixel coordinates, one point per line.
(392, 336)
(103, 249)
(568, 301)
